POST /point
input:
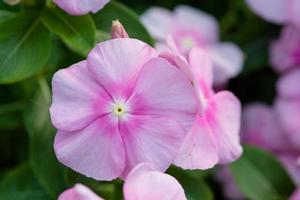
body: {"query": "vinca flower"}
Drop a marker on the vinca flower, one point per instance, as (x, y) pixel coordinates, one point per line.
(122, 106)
(81, 7)
(190, 28)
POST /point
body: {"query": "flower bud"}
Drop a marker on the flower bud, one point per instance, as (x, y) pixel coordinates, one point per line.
(118, 31)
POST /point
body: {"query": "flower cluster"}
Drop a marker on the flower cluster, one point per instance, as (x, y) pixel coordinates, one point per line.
(129, 111)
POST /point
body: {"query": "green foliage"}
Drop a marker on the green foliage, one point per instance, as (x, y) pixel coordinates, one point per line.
(259, 175)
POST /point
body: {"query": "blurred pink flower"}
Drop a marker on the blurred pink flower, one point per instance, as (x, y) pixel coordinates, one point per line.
(122, 106)
(79, 192)
(214, 137)
(285, 52)
(277, 11)
(190, 28)
(146, 183)
(80, 7)
(296, 195)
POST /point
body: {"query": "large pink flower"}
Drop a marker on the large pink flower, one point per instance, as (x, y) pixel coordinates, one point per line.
(122, 106)
(81, 7)
(214, 137)
(277, 11)
(285, 52)
(190, 28)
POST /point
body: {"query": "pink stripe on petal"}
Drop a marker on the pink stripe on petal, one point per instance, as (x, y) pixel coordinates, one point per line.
(77, 98)
(96, 151)
(145, 183)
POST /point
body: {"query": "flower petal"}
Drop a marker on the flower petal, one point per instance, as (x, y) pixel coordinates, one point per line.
(227, 60)
(287, 86)
(295, 195)
(144, 183)
(81, 7)
(199, 149)
(163, 90)
(77, 98)
(158, 21)
(79, 192)
(195, 19)
(271, 10)
(224, 117)
(96, 151)
(116, 63)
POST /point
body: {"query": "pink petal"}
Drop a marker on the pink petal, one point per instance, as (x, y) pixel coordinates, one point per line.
(224, 115)
(81, 7)
(96, 151)
(153, 139)
(144, 183)
(163, 90)
(79, 192)
(199, 150)
(260, 127)
(290, 163)
(116, 64)
(288, 85)
(271, 10)
(296, 13)
(228, 60)
(285, 52)
(77, 98)
(295, 195)
(158, 21)
(194, 19)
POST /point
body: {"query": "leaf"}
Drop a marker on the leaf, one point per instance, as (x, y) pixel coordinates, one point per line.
(19, 184)
(24, 47)
(42, 159)
(77, 32)
(4, 15)
(195, 188)
(130, 20)
(259, 176)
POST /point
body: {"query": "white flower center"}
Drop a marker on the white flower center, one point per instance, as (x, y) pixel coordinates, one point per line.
(187, 42)
(119, 109)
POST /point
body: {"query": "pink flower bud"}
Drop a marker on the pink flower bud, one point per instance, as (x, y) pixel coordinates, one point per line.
(118, 31)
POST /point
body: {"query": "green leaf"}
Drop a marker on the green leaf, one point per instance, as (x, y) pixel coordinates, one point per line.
(195, 188)
(77, 32)
(19, 184)
(259, 176)
(24, 47)
(4, 15)
(48, 171)
(130, 20)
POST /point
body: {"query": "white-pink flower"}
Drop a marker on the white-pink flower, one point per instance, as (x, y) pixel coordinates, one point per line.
(277, 11)
(285, 52)
(81, 7)
(190, 28)
(122, 106)
(214, 137)
(79, 192)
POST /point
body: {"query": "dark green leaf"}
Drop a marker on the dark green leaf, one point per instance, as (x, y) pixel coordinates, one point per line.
(77, 32)
(24, 47)
(130, 20)
(195, 188)
(259, 176)
(41, 134)
(19, 184)
(4, 15)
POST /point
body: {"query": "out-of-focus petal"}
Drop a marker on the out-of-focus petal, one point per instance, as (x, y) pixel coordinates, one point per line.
(296, 13)
(96, 151)
(116, 63)
(228, 60)
(276, 11)
(290, 163)
(157, 85)
(81, 7)
(158, 22)
(288, 85)
(144, 183)
(152, 139)
(191, 18)
(77, 98)
(296, 195)
(79, 192)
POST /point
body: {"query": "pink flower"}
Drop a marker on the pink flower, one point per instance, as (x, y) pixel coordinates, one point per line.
(214, 137)
(81, 7)
(277, 11)
(190, 28)
(79, 192)
(122, 106)
(145, 183)
(285, 52)
(296, 195)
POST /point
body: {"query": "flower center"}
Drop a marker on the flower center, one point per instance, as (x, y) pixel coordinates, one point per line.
(187, 42)
(119, 109)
